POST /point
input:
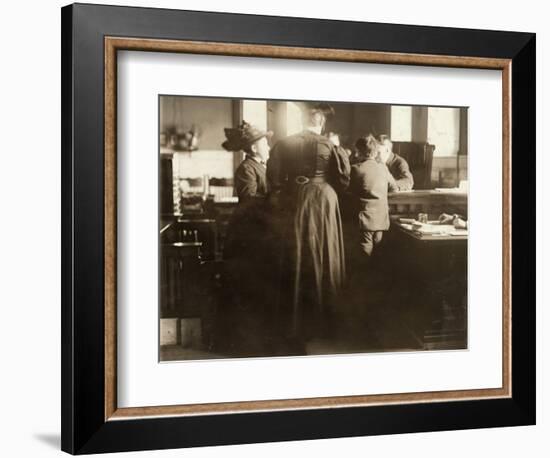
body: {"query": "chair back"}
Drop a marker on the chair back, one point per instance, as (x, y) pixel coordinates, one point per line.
(419, 156)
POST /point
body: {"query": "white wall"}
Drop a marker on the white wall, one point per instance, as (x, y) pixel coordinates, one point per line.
(255, 113)
(401, 123)
(444, 130)
(30, 242)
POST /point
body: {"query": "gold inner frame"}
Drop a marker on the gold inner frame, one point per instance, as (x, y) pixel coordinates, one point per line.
(114, 44)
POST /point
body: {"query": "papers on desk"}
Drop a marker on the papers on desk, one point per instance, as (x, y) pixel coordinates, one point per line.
(432, 228)
(439, 230)
(450, 190)
(458, 232)
(227, 199)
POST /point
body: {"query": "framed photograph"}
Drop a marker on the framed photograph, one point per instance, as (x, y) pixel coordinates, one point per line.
(284, 228)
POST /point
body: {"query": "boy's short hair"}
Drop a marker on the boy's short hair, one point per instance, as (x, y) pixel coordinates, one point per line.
(367, 146)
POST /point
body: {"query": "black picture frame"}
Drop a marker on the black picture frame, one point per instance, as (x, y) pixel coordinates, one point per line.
(84, 428)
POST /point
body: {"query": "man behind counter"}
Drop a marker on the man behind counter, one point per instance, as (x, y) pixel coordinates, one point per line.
(398, 167)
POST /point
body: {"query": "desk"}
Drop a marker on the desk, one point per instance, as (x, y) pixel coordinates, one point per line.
(433, 268)
(455, 236)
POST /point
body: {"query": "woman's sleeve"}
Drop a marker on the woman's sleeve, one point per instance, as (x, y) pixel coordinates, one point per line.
(339, 169)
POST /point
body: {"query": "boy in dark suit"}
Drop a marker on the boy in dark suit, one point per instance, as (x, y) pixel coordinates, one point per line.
(370, 183)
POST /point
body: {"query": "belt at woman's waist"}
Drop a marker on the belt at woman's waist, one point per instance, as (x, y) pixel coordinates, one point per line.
(302, 179)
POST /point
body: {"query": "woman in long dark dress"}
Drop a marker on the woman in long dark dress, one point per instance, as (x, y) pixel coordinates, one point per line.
(304, 172)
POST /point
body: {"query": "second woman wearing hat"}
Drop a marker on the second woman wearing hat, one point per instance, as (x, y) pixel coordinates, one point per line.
(247, 247)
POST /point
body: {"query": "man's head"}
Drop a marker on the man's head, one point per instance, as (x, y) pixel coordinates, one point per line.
(386, 147)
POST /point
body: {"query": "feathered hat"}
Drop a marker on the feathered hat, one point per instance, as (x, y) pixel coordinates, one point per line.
(241, 137)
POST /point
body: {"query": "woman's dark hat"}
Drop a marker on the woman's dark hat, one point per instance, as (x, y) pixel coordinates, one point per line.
(239, 138)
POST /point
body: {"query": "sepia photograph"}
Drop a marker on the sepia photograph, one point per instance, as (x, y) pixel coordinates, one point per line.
(306, 227)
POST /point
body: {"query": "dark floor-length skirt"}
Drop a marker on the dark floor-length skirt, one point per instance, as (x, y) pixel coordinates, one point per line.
(316, 257)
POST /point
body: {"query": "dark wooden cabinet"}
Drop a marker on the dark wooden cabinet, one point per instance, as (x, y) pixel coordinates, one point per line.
(166, 185)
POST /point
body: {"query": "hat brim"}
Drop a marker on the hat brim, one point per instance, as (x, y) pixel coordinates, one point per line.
(259, 135)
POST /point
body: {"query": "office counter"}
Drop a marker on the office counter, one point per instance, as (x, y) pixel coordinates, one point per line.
(428, 201)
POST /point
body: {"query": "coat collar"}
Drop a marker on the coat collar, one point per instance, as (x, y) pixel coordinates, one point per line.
(255, 160)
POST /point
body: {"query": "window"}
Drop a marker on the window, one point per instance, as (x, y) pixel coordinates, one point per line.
(444, 130)
(401, 123)
(293, 118)
(255, 113)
